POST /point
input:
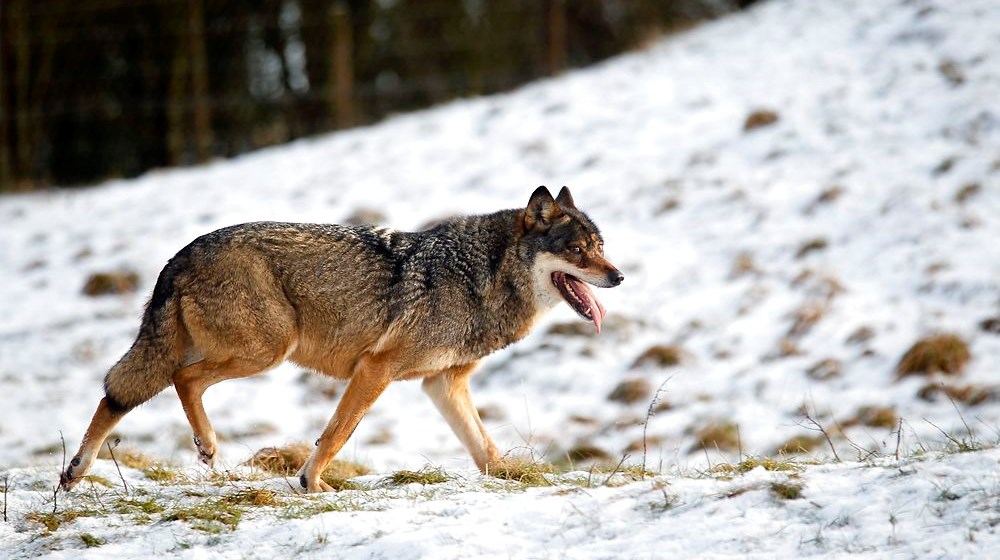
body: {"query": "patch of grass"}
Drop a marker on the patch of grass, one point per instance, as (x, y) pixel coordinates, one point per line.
(585, 451)
(667, 503)
(340, 484)
(939, 353)
(786, 349)
(631, 391)
(528, 473)
(825, 369)
(287, 460)
(723, 435)
(52, 521)
(990, 325)
(575, 328)
(967, 191)
(316, 505)
(105, 283)
(148, 506)
(127, 458)
(811, 246)
(804, 318)
(874, 417)
(743, 265)
(628, 472)
(861, 335)
(90, 541)
(760, 118)
(160, 473)
(800, 444)
(426, 475)
(252, 497)
(98, 480)
(211, 516)
(751, 463)
(786, 490)
(660, 355)
(970, 394)
(364, 215)
(222, 478)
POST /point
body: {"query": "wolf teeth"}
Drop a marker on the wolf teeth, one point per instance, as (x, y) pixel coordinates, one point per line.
(576, 297)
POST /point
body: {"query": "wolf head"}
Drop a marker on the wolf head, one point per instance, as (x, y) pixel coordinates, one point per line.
(568, 254)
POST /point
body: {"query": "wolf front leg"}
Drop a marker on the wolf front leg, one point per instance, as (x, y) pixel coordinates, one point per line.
(450, 392)
(371, 376)
(104, 420)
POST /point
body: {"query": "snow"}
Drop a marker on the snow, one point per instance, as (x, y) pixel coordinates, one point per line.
(652, 145)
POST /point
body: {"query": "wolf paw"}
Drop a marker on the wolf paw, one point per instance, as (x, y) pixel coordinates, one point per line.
(206, 452)
(207, 457)
(66, 479)
(314, 486)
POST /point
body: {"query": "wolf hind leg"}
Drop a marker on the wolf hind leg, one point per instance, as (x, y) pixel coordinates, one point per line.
(193, 380)
(449, 390)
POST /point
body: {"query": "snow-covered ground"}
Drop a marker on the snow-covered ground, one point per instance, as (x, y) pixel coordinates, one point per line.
(871, 208)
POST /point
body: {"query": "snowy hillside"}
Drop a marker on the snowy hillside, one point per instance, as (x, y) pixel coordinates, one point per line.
(797, 194)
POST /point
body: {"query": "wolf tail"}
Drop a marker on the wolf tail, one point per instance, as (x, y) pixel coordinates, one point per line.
(158, 351)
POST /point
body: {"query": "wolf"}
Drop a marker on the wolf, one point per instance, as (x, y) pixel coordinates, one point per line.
(366, 304)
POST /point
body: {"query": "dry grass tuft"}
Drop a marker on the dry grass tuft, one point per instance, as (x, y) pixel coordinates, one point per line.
(967, 394)
(160, 473)
(212, 516)
(874, 417)
(426, 475)
(52, 521)
(660, 355)
(861, 335)
(631, 391)
(574, 328)
(287, 460)
(825, 369)
(786, 490)
(804, 318)
(990, 325)
(743, 265)
(253, 497)
(939, 353)
(585, 451)
(529, 473)
(723, 435)
(760, 118)
(90, 541)
(111, 283)
(127, 458)
(800, 444)
(365, 216)
(811, 246)
(967, 191)
(751, 463)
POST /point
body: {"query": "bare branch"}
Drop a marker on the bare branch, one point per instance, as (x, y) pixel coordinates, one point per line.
(645, 424)
(112, 452)
(818, 427)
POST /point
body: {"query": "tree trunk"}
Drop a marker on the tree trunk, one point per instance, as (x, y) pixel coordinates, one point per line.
(342, 103)
(199, 81)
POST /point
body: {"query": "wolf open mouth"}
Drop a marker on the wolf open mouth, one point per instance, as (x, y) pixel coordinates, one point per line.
(579, 297)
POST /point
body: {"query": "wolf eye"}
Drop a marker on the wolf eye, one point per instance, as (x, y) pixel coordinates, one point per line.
(575, 250)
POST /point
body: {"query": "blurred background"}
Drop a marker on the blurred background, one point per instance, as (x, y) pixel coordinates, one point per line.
(97, 89)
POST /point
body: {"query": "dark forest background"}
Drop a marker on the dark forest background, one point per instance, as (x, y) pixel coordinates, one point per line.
(93, 89)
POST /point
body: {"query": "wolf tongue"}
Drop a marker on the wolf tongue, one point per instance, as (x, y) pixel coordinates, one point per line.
(597, 311)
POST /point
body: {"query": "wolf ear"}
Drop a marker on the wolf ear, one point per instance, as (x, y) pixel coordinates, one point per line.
(541, 211)
(565, 199)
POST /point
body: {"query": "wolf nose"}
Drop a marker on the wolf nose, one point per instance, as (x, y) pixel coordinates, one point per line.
(615, 277)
